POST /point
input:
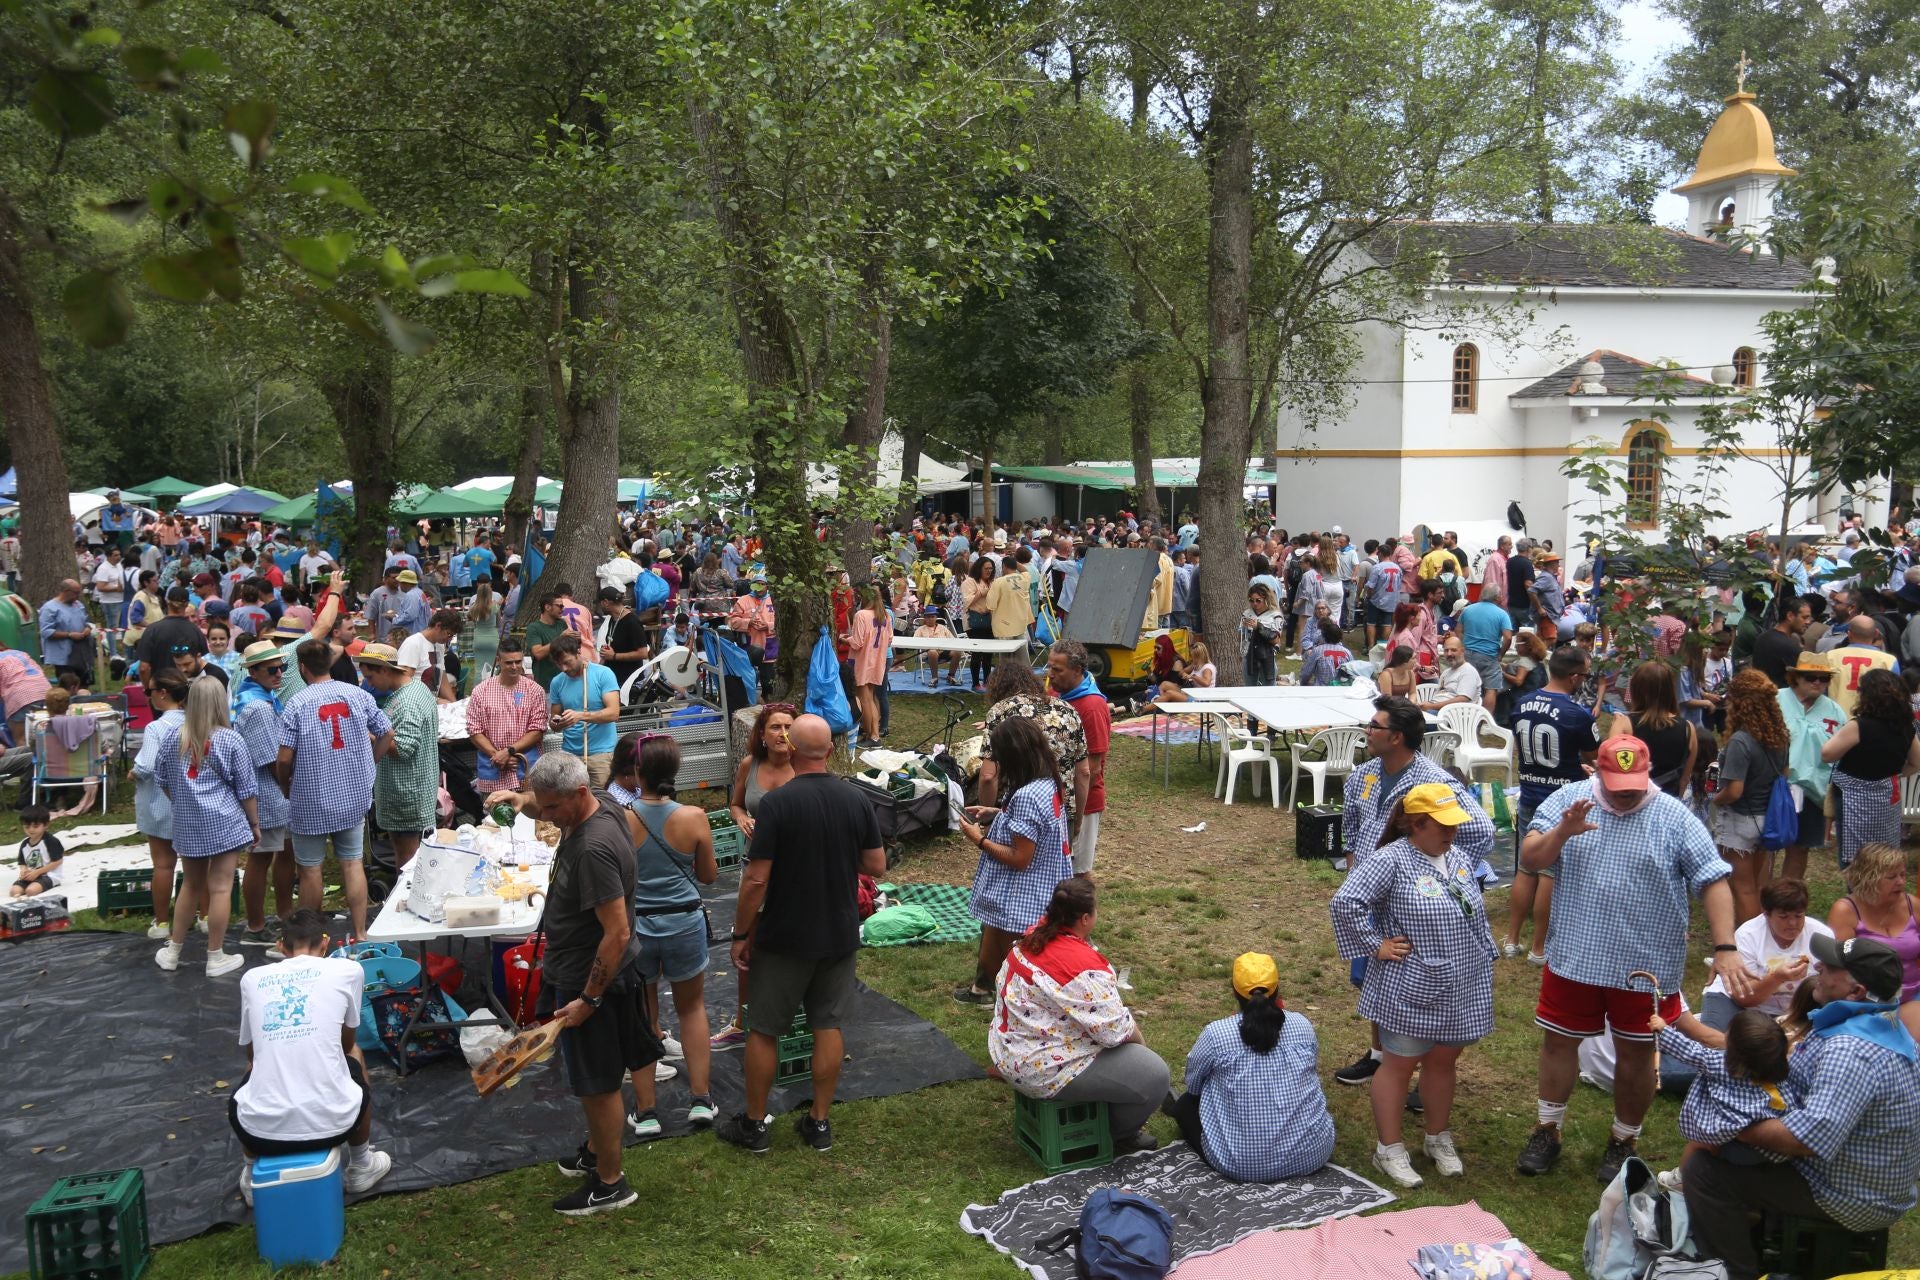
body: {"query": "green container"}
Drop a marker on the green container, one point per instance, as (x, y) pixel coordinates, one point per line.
(1063, 1135)
(125, 891)
(90, 1227)
(729, 847)
(794, 1059)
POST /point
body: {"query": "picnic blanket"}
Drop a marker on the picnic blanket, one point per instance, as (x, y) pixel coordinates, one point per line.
(1210, 1211)
(914, 680)
(947, 903)
(1172, 728)
(80, 874)
(1380, 1247)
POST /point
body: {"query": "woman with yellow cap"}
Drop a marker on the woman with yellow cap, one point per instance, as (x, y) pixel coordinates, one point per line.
(1253, 1108)
(1413, 908)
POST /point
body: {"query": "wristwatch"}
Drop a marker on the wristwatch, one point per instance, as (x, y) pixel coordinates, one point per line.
(1724, 946)
(593, 1002)
(740, 937)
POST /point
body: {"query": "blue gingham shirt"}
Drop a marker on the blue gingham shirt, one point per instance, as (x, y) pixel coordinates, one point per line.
(258, 724)
(1860, 1114)
(56, 615)
(1015, 900)
(1443, 990)
(1368, 803)
(1262, 1115)
(152, 811)
(1719, 1106)
(332, 755)
(206, 794)
(1620, 902)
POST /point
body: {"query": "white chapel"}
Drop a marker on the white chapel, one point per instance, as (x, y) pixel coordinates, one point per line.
(1449, 424)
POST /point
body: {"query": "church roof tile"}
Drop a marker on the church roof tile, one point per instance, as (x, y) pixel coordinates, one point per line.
(1545, 255)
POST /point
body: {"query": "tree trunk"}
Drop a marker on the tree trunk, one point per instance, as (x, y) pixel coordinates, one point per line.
(988, 513)
(33, 435)
(361, 398)
(1226, 429)
(1542, 144)
(1139, 394)
(913, 438)
(866, 424)
(589, 432)
(526, 471)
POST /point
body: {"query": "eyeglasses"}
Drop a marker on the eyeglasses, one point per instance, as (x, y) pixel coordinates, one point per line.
(776, 708)
(1377, 727)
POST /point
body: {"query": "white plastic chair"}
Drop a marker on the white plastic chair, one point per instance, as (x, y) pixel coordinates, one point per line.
(1469, 720)
(1909, 799)
(1425, 693)
(1343, 752)
(1438, 746)
(1237, 748)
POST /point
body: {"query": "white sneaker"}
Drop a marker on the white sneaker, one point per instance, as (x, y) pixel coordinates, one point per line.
(246, 1182)
(362, 1174)
(201, 924)
(168, 957)
(157, 932)
(1669, 1179)
(1537, 960)
(664, 1071)
(1445, 1159)
(224, 962)
(1396, 1166)
(674, 1053)
(1510, 951)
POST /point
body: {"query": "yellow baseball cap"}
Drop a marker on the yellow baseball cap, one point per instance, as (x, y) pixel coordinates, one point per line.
(1255, 971)
(1437, 801)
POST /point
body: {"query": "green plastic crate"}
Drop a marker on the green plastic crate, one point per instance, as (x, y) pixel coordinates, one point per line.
(795, 1052)
(1062, 1135)
(90, 1227)
(125, 891)
(729, 847)
(718, 818)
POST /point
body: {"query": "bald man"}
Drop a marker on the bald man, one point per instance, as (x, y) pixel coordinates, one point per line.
(796, 929)
(1860, 654)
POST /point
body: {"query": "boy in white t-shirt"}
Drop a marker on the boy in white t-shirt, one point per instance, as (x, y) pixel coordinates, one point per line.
(933, 625)
(40, 854)
(306, 1086)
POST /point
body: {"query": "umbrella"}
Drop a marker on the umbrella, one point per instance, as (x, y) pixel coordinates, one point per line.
(236, 502)
(450, 504)
(166, 487)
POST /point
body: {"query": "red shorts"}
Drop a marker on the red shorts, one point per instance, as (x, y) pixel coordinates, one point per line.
(1576, 1009)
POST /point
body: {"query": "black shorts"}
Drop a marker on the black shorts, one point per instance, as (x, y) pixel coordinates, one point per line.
(257, 1147)
(617, 1039)
(782, 985)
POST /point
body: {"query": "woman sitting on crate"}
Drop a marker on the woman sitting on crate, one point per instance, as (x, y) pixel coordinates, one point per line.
(1060, 1030)
(1253, 1108)
(673, 857)
(306, 1085)
(1023, 854)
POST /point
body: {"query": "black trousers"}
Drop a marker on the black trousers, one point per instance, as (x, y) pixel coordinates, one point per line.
(1723, 1201)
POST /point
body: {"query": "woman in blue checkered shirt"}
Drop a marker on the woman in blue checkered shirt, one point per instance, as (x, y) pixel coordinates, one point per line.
(1023, 854)
(206, 770)
(1413, 910)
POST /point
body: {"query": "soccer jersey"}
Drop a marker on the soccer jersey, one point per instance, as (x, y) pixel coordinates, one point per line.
(1551, 731)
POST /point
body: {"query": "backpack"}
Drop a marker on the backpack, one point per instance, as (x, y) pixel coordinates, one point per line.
(1782, 826)
(1638, 1222)
(1121, 1236)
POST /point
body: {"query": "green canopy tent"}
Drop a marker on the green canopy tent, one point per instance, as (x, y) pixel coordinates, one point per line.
(167, 487)
(450, 504)
(126, 494)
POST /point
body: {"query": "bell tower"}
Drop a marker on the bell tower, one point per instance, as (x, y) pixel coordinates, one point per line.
(1730, 194)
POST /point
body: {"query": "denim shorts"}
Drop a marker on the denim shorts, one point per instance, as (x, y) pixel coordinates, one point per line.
(679, 958)
(1410, 1046)
(348, 845)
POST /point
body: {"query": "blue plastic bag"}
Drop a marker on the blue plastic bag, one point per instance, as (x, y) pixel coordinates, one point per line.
(1782, 826)
(825, 697)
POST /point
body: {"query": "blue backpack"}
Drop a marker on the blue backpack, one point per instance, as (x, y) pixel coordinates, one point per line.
(1121, 1236)
(1782, 826)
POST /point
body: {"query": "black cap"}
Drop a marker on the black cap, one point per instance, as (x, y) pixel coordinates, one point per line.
(1873, 964)
(612, 595)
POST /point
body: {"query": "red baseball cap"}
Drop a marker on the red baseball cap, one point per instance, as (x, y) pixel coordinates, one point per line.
(1623, 763)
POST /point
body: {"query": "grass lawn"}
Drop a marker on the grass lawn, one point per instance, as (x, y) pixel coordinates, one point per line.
(1174, 907)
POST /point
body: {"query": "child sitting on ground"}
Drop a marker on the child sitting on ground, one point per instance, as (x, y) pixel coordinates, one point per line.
(1745, 1082)
(933, 625)
(40, 854)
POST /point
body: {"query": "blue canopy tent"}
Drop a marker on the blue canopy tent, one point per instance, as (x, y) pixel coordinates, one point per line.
(238, 502)
(8, 485)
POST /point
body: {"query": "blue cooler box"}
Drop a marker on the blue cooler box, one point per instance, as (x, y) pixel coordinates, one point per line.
(299, 1206)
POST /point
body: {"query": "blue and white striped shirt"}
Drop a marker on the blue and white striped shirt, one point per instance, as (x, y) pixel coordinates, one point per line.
(331, 726)
(1368, 805)
(1620, 902)
(258, 724)
(206, 794)
(1015, 900)
(1262, 1116)
(1861, 1118)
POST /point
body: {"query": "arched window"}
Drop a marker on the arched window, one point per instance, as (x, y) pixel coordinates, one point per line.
(1466, 378)
(1646, 464)
(1746, 367)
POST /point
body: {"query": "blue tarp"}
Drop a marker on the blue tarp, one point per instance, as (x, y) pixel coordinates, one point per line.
(733, 660)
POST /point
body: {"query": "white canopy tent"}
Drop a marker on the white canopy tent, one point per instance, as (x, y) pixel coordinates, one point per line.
(935, 476)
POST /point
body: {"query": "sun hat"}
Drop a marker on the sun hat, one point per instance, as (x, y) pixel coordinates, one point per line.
(258, 652)
(1437, 801)
(1255, 971)
(408, 575)
(289, 630)
(382, 655)
(1624, 763)
(1813, 664)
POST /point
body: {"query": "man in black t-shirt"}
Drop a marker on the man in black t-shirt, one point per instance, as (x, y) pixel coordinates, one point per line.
(1520, 584)
(797, 929)
(626, 647)
(585, 982)
(162, 639)
(1779, 647)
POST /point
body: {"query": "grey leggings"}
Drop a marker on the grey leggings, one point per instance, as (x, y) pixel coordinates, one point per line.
(1130, 1078)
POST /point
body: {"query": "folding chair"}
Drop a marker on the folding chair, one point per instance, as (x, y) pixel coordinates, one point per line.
(55, 767)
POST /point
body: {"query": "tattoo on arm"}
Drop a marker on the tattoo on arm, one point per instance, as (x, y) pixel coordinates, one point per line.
(598, 977)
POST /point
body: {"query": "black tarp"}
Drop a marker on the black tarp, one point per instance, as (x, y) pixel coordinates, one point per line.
(112, 1063)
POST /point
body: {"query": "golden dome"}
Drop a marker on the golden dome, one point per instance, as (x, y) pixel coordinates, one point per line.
(1740, 143)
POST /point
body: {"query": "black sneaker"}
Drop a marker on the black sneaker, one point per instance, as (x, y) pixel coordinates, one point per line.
(971, 994)
(1618, 1149)
(1414, 1104)
(1360, 1072)
(594, 1196)
(751, 1135)
(579, 1164)
(817, 1134)
(1541, 1153)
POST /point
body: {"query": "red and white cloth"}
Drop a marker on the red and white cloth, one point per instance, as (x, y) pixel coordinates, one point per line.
(1053, 1014)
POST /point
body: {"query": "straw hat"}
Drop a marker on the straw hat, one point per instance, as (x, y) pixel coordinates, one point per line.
(381, 655)
(258, 652)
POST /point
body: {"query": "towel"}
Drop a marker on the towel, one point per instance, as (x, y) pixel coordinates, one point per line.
(71, 730)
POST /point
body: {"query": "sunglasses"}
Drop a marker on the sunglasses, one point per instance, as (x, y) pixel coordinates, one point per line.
(269, 669)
